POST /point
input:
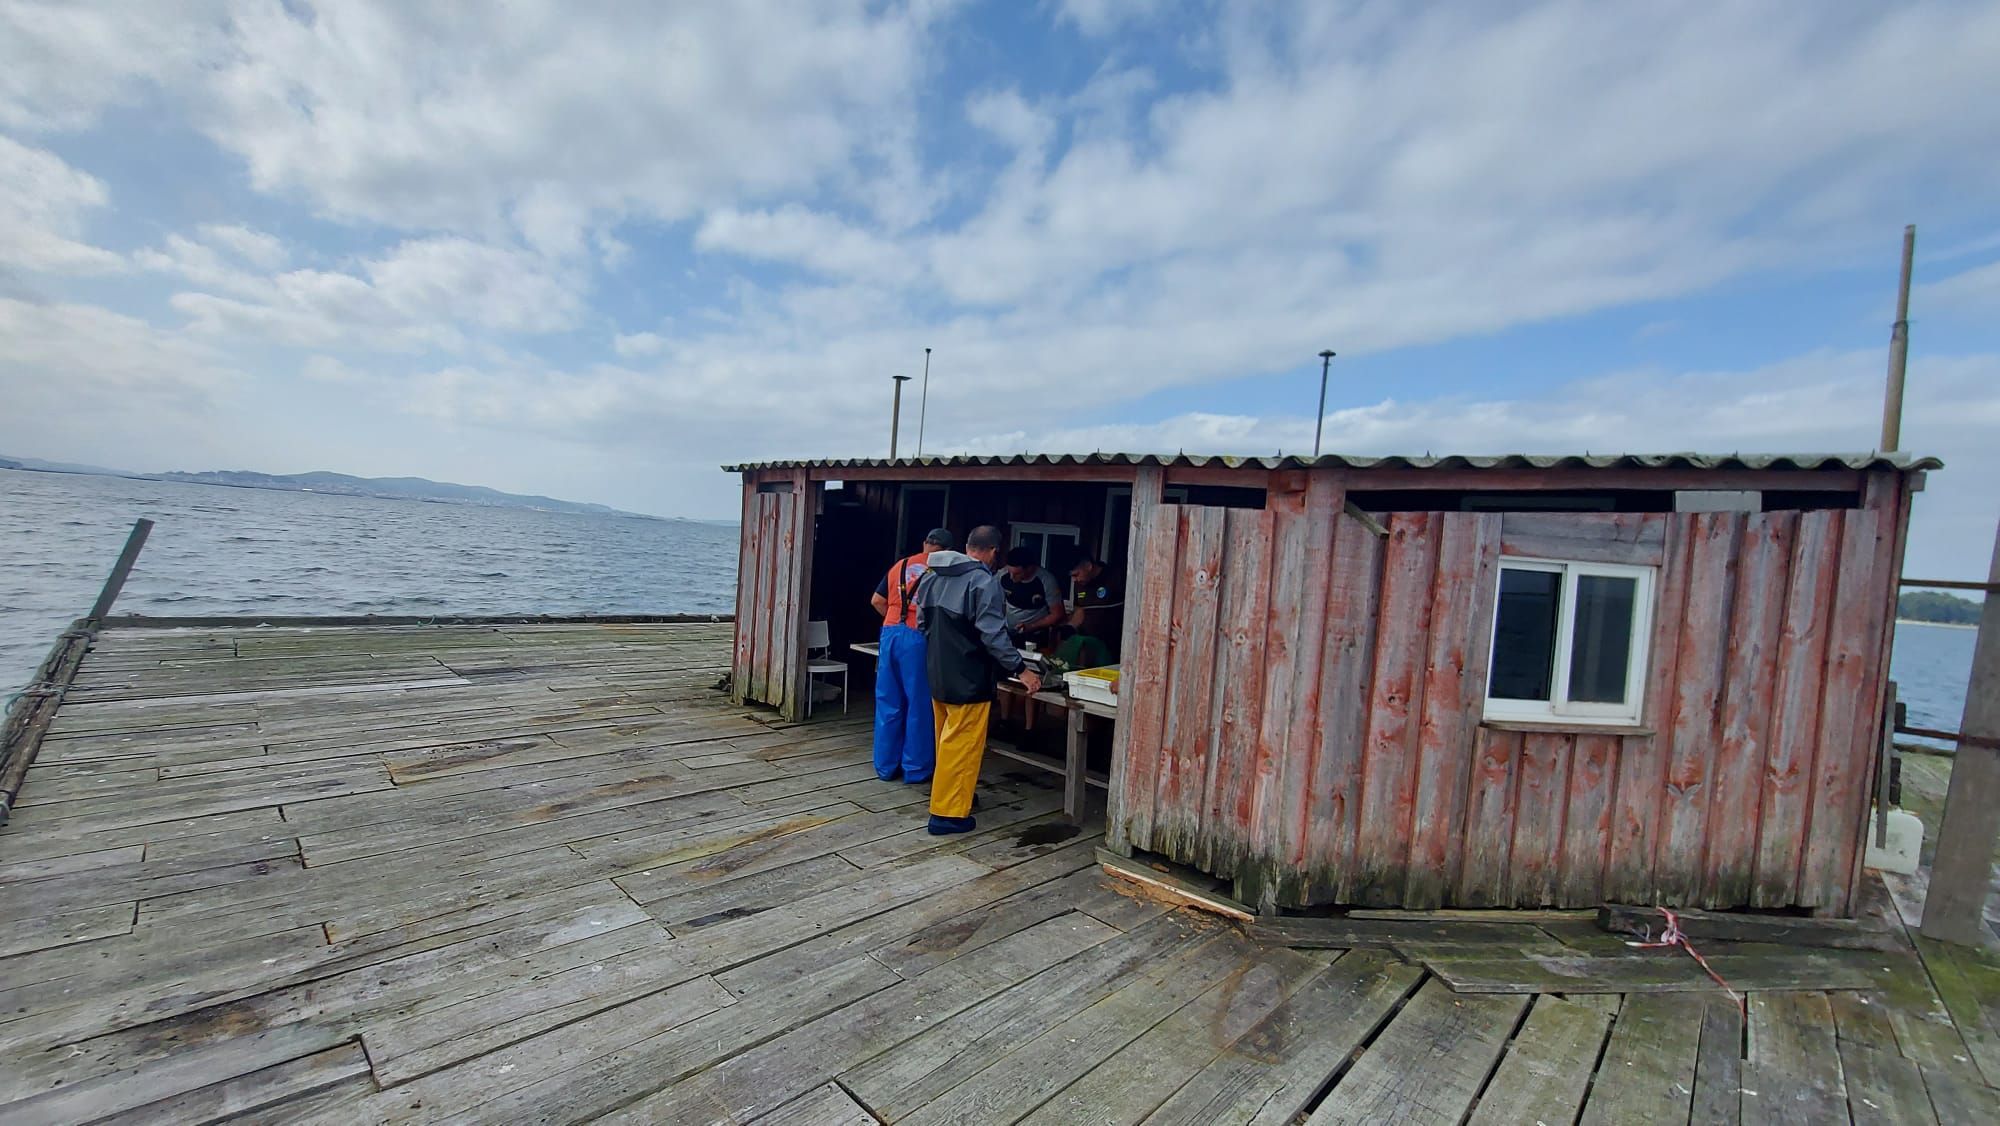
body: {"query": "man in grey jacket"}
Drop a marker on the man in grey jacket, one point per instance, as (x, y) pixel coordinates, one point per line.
(963, 613)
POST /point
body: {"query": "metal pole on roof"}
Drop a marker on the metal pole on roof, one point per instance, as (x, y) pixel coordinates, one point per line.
(1319, 420)
(896, 415)
(1899, 351)
(924, 405)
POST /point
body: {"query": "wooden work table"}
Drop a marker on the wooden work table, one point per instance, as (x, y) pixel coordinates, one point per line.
(1074, 767)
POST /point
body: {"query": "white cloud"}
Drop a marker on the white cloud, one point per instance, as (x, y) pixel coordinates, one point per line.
(1976, 290)
(62, 64)
(79, 378)
(424, 293)
(819, 242)
(638, 344)
(1102, 17)
(43, 202)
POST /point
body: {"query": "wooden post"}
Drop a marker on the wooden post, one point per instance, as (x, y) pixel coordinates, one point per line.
(1885, 763)
(896, 415)
(1964, 867)
(121, 570)
(1899, 352)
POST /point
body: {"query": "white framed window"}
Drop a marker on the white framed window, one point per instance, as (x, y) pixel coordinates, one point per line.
(1569, 641)
(1054, 544)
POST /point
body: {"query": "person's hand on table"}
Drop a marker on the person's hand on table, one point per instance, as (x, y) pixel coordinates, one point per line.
(1031, 680)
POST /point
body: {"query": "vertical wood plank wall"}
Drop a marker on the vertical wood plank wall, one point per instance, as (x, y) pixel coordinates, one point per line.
(774, 569)
(1302, 701)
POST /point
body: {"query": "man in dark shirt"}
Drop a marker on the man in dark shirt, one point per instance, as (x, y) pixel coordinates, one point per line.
(1097, 601)
(1034, 598)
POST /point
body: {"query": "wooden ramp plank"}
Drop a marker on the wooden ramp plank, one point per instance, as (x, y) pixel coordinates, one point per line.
(1547, 1069)
(1718, 1069)
(1429, 1064)
(273, 1092)
(1647, 1074)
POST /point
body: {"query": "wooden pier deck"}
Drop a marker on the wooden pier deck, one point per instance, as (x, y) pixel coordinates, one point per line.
(547, 874)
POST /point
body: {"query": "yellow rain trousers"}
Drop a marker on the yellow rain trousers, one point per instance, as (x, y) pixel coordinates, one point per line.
(961, 744)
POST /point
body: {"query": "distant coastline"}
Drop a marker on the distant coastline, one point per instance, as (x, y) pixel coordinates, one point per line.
(340, 484)
(1935, 608)
(1940, 625)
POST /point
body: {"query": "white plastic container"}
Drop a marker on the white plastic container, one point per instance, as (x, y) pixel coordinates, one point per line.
(1906, 842)
(1098, 686)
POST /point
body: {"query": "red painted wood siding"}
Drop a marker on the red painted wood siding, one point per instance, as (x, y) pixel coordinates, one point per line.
(1303, 695)
(774, 563)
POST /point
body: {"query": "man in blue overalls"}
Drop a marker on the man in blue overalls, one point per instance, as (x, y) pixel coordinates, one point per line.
(905, 744)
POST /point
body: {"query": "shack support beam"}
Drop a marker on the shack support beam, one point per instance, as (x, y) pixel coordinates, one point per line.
(1955, 903)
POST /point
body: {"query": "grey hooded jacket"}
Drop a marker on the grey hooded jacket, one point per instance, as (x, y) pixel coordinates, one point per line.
(963, 613)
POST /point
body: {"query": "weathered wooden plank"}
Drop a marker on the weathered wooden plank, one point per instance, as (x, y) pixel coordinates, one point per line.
(1036, 1070)
(1392, 747)
(1792, 1072)
(1795, 709)
(1689, 725)
(47, 931)
(263, 1092)
(1490, 817)
(764, 1078)
(1294, 647)
(1648, 972)
(1342, 933)
(1635, 538)
(1541, 793)
(1137, 1078)
(1849, 934)
(1718, 1069)
(1642, 768)
(1429, 1064)
(1139, 748)
(1883, 1086)
(822, 1106)
(1237, 692)
(1582, 856)
(1189, 731)
(1273, 1071)
(174, 1075)
(1850, 715)
(1347, 670)
(1648, 1071)
(1547, 1070)
(1461, 643)
(1749, 677)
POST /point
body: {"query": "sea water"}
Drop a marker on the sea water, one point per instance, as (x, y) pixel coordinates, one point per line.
(220, 550)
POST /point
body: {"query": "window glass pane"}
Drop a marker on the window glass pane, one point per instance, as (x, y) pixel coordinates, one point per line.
(1524, 634)
(1601, 656)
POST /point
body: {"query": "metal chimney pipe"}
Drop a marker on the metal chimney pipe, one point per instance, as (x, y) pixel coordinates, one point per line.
(1319, 420)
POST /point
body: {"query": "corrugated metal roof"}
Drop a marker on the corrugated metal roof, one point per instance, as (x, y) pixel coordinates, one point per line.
(1873, 460)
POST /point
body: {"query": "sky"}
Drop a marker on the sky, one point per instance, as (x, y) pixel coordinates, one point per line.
(598, 250)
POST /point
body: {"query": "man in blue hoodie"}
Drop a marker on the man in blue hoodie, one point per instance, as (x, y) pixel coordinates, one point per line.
(963, 614)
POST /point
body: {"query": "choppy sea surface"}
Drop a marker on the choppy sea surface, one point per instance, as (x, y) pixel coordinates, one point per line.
(217, 550)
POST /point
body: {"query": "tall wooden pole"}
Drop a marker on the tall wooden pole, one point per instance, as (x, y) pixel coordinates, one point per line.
(896, 415)
(1899, 351)
(1956, 900)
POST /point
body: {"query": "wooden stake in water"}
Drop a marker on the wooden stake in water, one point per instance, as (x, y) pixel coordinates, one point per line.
(121, 570)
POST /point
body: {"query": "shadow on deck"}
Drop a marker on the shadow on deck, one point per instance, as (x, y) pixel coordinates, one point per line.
(545, 873)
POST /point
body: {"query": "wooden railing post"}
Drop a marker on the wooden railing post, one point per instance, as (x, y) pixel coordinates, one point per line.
(121, 570)
(1956, 900)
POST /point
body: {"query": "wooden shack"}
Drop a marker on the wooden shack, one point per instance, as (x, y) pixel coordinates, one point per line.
(1427, 682)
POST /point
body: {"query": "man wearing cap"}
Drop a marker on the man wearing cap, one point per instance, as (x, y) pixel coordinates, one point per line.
(905, 745)
(963, 614)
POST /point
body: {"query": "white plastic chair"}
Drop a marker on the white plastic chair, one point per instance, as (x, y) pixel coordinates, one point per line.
(820, 642)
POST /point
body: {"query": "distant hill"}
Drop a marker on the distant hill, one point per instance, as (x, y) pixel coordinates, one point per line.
(384, 488)
(1931, 606)
(388, 488)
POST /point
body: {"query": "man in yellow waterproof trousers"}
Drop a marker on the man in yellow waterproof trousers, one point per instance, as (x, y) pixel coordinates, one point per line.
(963, 614)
